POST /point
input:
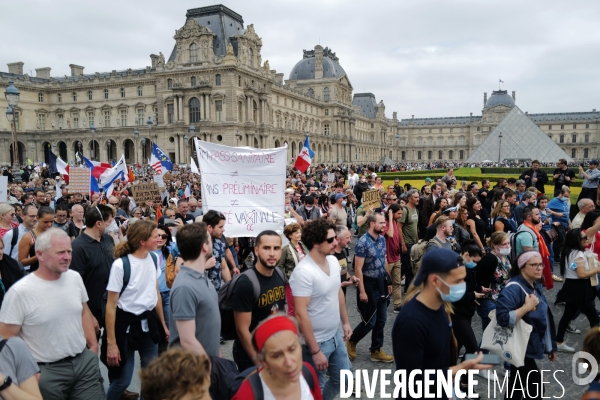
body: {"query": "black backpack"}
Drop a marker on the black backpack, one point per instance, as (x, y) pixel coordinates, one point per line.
(256, 384)
(13, 242)
(228, 331)
(126, 276)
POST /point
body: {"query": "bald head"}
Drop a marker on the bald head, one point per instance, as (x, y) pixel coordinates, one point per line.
(585, 205)
(113, 201)
(77, 212)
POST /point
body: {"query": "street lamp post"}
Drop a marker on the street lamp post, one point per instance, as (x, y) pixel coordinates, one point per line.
(185, 139)
(192, 131)
(499, 147)
(13, 96)
(93, 149)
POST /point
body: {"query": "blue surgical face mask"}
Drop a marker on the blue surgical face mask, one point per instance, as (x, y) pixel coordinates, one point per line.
(453, 221)
(470, 264)
(456, 291)
(563, 199)
(344, 203)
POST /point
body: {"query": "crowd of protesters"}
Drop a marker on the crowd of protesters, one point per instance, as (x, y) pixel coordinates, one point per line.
(94, 279)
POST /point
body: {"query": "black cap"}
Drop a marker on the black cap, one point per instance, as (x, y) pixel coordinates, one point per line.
(436, 260)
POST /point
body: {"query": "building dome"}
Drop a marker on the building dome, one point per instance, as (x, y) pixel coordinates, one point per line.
(500, 97)
(305, 68)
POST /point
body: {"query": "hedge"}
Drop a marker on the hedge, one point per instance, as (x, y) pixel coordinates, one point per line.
(493, 170)
(469, 178)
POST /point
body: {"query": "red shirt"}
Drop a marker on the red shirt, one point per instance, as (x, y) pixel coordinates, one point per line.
(596, 241)
(3, 231)
(392, 244)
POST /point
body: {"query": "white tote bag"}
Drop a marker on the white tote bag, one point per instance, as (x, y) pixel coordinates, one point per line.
(509, 343)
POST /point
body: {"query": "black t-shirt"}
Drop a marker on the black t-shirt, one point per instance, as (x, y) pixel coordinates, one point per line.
(560, 181)
(270, 301)
(74, 231)
(343, 259)
(428, 334)
(188, 217)
(93, 260)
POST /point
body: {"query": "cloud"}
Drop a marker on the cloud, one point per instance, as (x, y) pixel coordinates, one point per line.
(427, 58)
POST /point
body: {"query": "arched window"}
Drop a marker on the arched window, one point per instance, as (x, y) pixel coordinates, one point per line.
(574, 153)
(311, 92)
(403, 155)
(461, 154)
(440, 155)
(193, 53)
(169, 83)
(419, 155)
(90, 96)
(106, 93)
(450, 155)
(218, 80)
(586, 153)
(193, 81)
(326, 94)
(194, 110)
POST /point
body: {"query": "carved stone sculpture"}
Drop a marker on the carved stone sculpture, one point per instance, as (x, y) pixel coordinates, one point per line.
(52, 123)
(230, 50)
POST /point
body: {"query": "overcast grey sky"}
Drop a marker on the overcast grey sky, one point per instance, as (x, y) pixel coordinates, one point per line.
(423, 58)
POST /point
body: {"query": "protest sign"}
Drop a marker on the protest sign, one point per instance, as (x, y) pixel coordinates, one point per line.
(79, 180)
(3, 189)
(146, 192)
(245, 184)
(371, 198)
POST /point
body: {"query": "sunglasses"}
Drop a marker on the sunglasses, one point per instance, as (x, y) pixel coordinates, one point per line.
(330, 240)
(164, 237)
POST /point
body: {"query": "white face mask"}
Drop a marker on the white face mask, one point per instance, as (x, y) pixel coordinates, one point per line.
(504, 251)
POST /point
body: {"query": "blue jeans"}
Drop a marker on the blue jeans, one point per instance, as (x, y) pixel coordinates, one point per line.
(166, 301)
(148, 351)
(483, 310)
(377, 321)
(335, 351)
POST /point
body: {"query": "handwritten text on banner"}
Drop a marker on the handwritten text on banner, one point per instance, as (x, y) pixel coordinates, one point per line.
(245, 184)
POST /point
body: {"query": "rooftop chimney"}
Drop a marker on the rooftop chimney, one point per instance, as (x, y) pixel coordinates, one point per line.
(318, 62)
(43, 73)
(514, 95)
(76, 70)
(594, 110)
(484, 98)
(154, 59)
(15, 68)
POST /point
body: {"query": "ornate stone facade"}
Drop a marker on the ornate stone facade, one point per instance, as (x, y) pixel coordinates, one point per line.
(215, 79)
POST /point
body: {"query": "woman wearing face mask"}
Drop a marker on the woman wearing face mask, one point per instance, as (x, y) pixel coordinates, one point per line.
(525, 300)
(464, 309)
(492, 274)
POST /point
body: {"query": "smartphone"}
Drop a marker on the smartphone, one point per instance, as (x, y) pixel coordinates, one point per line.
(169, 221)
(488, 359)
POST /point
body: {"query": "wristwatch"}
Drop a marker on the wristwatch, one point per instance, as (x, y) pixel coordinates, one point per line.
(6, 384)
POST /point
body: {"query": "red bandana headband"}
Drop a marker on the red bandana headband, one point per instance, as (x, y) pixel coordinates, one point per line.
(270, 327)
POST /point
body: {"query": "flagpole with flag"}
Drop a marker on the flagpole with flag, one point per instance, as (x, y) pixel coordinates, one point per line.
(55, 164)
(305, 156)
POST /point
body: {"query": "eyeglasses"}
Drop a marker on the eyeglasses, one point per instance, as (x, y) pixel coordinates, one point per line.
(330, 240)
(536, 266)
(164, 237)
(114, 204)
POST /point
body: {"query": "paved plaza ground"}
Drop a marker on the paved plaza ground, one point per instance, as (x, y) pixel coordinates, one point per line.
(553, 389)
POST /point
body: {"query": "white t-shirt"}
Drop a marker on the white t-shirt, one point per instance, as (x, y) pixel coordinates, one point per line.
(308, 280)
(305, 393)
(570, 273)
(140, 294)
(49, 313)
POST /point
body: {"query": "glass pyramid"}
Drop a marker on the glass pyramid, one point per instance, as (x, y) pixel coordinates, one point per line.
(521, 139)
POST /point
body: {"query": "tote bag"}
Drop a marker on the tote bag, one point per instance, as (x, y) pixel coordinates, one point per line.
(509, 343)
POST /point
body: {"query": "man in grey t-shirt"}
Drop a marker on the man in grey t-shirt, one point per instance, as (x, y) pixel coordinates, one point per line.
(195, 321)
(17, 363)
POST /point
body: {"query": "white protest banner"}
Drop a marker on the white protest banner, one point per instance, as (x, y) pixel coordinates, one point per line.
(247, 185)
(3, 189)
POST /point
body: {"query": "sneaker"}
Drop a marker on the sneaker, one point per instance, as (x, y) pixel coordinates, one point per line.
(397, 309)
(351, 347)
(556, 278)
(565, 348)
(572, 329)
(380, 356)
(127, 395)
(403, 282)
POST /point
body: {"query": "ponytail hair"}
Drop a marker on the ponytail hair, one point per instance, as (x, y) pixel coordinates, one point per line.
(136, 233)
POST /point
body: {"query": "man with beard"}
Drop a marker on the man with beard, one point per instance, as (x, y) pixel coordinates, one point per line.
(371, 268)
(248, 309)
(93, 257)
(531, 217)
(195, 318)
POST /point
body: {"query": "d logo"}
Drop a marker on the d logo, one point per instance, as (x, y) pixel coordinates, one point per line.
(581, 363)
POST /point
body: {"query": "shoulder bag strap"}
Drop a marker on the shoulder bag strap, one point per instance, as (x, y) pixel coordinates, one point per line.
(308, 376)
(256, 385)
(251, 274)
(126, 273)
(13, 242)
(2, 344)
(519, 285)
(293, 251)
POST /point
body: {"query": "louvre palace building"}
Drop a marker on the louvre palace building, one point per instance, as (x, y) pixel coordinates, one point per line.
(215, 79)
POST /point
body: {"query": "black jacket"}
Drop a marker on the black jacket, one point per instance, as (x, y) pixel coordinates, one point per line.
(10, 272)
(542, 179)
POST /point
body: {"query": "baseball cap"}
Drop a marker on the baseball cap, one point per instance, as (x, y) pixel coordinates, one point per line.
(428, 180)
(340, 196)
(436, 260)
(449, 209)
(594, 162)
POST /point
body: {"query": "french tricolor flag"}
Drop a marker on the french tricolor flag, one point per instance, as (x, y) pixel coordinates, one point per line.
(187, 193)
(96, 167)
(304, 157)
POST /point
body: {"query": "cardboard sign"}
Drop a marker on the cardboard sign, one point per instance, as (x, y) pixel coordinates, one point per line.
(245, 184)
(371, 198)
(146, 192)
(79, 180)
(3, 189)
